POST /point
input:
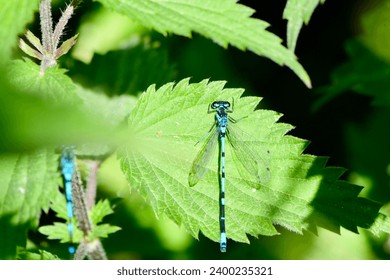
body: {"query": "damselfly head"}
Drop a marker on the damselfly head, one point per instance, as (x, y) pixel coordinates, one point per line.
(220, 105)
(64, 149)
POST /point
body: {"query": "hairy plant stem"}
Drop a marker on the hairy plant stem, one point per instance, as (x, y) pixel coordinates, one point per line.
(92, 249)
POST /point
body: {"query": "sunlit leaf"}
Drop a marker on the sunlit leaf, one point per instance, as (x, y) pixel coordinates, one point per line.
(301, 194)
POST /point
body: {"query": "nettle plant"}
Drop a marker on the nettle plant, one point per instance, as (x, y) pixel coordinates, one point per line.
(155, 134)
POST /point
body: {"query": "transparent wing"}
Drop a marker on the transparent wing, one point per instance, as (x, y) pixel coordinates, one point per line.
(253, 158)
(200, 163)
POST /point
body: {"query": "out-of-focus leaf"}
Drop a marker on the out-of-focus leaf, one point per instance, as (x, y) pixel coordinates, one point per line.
(224, 21)
(14, 15)
(365, 73)
(27, 183)
(298, 12)
(42, 255)
(54, 85)
(42, 122)
(127, 71)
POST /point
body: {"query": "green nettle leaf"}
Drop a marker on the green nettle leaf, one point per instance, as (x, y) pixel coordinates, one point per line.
(301, 193)
(14, 15)
(225, 22)
(27, 184)
(59, 230)
(298, 12)
(103, 230)
(100, 210)
(54, 85)
(58, 204)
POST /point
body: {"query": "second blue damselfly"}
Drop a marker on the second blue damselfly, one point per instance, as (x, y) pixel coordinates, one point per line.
(67, 171)
(249, 161)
